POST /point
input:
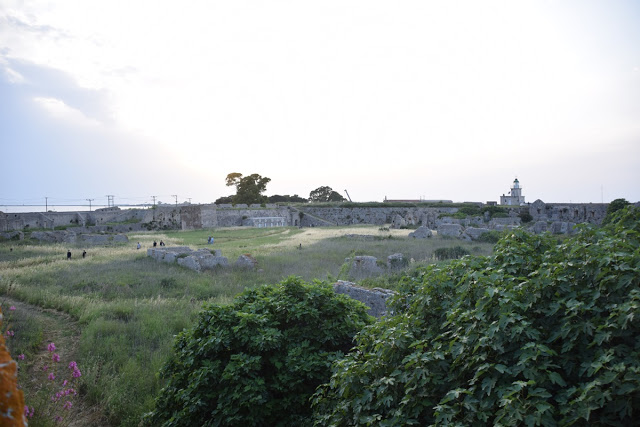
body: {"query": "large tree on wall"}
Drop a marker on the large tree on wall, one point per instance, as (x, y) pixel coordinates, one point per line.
(249, 188)
(325, 194)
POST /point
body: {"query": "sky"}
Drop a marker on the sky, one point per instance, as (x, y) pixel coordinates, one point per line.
(405, 100)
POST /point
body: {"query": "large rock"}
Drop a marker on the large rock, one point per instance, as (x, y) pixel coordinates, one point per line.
(397, 262)
(452, 230)
(364, 266)
(246, 261)
(398, 222)
(13, 235)
(211, 262)
(540, 227)
(474, 232)
(421, 233)
(375, 299)
(190, 262)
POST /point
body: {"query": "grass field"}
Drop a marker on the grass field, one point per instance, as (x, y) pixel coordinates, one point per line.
(128, 307)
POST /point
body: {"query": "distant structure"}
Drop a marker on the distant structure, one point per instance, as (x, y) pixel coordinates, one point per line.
(515, 197)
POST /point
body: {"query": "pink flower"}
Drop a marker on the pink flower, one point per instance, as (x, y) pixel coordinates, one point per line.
(56, 357)
(45, 367)
(12, 308)
(64, 383)
(73, 365)
(76, 373)
(57, 418)
(67, 405)
(52, 376)
(51, 347)
(28, 412)
(21, 357)
(9, 334)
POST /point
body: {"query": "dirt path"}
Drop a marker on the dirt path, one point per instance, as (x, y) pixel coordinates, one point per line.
(59, 328)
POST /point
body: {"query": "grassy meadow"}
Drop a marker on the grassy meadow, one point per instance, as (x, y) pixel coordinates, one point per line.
(128, 307)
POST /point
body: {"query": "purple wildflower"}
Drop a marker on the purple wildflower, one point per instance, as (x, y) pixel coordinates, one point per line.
(67, 405)
(73, 365)
(55, 357)
(21, 357)
(52, 376)
(76, 373)
(12, 308)
(51, 347)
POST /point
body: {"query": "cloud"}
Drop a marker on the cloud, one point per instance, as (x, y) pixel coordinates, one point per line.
(40, 81)
(60, 110)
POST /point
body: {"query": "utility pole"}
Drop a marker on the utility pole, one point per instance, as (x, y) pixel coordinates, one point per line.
(90, 200)
(348, 195)
(154, 201)
(176, 197)
(46, 203)
(110, 203)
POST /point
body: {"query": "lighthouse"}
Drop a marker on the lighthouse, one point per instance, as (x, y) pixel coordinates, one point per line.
(515, 197)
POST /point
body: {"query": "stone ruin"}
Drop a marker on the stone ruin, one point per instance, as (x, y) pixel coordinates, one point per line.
(65, 236)
(375, 299)
(199, 260)
(363, 266)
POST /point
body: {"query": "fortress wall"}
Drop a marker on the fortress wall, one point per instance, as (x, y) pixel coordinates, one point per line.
(569, 212)
(229, 217)
(377, 216)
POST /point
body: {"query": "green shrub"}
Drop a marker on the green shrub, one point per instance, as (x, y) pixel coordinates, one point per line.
(258, 360)
(490, 237)
(455, 252)
(525, 217)
(539, 333)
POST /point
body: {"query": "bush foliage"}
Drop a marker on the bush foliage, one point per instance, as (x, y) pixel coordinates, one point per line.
(259, 360)
(540, 333)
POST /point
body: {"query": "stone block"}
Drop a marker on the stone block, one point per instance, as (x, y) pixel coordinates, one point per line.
(421, 233)
(210, 262)
(375, 299)
(453, 230)
(364, 266)
(397, 262)
(474, 232)
(246, 261)
(190, 262)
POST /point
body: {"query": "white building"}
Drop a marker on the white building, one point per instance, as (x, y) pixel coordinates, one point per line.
(515, 197)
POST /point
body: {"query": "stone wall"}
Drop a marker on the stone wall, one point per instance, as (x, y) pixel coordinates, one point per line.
(568, 212)
(375, 299)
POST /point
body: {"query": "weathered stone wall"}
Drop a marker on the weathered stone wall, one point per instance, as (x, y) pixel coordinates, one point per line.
(568, 212)
(377, 216)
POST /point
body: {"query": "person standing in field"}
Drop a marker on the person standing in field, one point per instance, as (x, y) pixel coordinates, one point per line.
(68, 254)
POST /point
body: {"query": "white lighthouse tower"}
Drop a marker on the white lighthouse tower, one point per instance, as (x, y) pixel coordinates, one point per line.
(515, 197)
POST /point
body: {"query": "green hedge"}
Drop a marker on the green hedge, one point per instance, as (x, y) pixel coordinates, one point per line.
(539, 333)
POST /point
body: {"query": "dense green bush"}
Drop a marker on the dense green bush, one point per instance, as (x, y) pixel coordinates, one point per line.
(540, 333)
(454, 252)
(490, 236)
(258, 361)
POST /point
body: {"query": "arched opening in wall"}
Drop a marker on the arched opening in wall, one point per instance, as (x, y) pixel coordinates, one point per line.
(295, 222)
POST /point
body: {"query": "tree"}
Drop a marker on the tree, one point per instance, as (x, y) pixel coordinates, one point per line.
(257, 361)
(325, 194)
(539, 333)
(249, 189)
(614, 207)
(276, 198)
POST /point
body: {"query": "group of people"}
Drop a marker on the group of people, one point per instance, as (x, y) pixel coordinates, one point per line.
(210, 240)
(156, 243)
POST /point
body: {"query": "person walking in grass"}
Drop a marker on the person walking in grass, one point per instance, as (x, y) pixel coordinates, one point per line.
(84, 254)
(68, 254)
(139, 246)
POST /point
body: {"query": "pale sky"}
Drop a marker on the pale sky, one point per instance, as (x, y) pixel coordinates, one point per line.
(403, 99)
